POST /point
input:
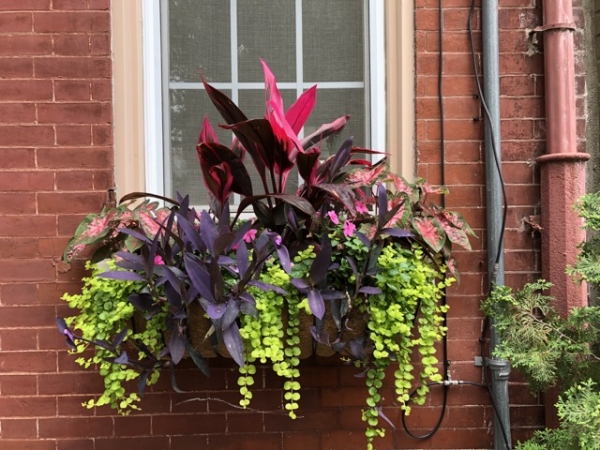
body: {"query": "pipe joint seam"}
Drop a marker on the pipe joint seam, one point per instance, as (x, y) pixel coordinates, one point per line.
(564, 26)
(563, 158)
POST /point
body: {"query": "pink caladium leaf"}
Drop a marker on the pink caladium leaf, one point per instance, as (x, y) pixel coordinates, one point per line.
(456, 236)
(367, 176)
(430, 231)
(452, 268)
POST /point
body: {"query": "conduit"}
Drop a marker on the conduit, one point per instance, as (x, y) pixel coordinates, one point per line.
(499, 368)
(562, 167)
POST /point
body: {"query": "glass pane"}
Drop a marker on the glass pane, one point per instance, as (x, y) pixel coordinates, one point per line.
(188, 108)
(199, 40)
(266, 29)
(333, 40)
(334, 103)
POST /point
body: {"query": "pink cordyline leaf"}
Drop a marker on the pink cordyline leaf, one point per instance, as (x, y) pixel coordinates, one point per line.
(207, 132)
(430, 231)
(324, 131)
(276, 115)
(298, 113)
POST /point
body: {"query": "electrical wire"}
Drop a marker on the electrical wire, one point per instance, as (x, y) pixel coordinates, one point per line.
(446, 363)
(447, 381)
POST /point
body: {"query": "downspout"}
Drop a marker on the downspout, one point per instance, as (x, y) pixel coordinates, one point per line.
(562, 167)
(499, 368)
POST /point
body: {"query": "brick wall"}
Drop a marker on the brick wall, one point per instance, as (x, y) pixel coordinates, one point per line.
(56, 164)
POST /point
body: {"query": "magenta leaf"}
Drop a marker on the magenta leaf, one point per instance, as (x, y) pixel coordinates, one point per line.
(299, 112)
(324, 131)
(207, 133)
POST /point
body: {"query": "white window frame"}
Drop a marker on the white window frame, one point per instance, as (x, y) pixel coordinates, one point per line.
(137, 97)
(156, 92)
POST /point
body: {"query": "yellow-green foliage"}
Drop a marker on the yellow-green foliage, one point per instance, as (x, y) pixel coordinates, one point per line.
(407, 314)
(104, 310)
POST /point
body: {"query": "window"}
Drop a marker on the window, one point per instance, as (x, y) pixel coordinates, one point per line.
(146, 81)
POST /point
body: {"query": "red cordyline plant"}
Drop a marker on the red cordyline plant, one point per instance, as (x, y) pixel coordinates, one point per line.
(346, 212)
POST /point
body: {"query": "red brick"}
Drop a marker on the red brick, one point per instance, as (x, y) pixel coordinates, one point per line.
(65, 158)
(71, 135)
(147, 443)
(18, 385)
(100, 44)
(17, 203)
(16, 67)
(22, 5)
(69, 4)
(26, 44)
(27, 181)
(27, 444)
(214, 423)
(263, 441)
(27, 407)
(19, 136)
(74, 112)
(17, 113)
(25, 90)
(27, 226)
(325, 419)
(76, 444)
(70, 203)
(89, 382)
(18, 428)
(15, 22)
(103, 180)
(72, 45)
(65, 67)
(74, 180)
(26, 270)
(56, 22)
(18, 340)
(133, 426)
(102, 90)
(72, 90)
(102, 135)
(17, 158)
(75, 427)
(99, 4)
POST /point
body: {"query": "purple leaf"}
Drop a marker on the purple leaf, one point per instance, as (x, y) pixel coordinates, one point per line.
(321, 338)
(197, 358)
(190, 233)
(122, 275)
(121, 359)
(242, 259)
(379, 410)
(381, 204)
(233, 342)
(369, 290)
(143, 381)
(64, 330)
(231, 312)
(216, 311)
(352, 264)
(330, 294)
(318, 269)
(199, 277)
(301, 284)
(119, 338)
(363, 238)
(135, 234)
(176, 347)
(209, 231)
(316, 303)
(397, 232)
(284, 258)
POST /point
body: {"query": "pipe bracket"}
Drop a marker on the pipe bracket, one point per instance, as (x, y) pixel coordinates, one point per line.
(562, 157)
(555, 26)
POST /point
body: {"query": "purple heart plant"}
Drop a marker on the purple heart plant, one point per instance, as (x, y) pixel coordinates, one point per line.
(354, 240)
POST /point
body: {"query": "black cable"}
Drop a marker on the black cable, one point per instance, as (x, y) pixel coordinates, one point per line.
(489, 122)
(446, 363)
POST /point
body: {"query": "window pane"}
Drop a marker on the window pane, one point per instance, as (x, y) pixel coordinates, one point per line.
(188, 108)
(266, 29)
(333, 35)
(199, 40)
(334, 103)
